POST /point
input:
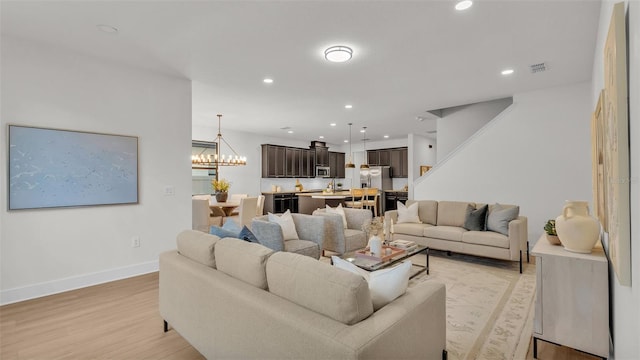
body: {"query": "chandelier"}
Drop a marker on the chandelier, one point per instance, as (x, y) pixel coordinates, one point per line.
(202, 161)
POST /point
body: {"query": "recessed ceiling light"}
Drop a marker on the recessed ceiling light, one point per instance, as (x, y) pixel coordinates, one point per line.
(463, 5)
(107, 28)
(346, 141)
(321, 137)
(362, 130)
(333, 124)
(348, 106)
(386, 136)
(268, 81)
(290, 131)
(507, 72)
(338, 53)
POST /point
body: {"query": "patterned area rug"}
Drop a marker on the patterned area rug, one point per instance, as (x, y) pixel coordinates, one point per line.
(489, 305)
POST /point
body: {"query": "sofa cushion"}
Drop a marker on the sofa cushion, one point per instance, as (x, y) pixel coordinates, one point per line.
(408, 214)
(243, 260)
(286, 223)
(304, 247)
(500, 216)
(320, 287)
(427, 210)
(488, 238)
(410, 229)
(337, 210)
(452, 213)
(384, 285)
(198, 246)
(476, 218)
(452, 233)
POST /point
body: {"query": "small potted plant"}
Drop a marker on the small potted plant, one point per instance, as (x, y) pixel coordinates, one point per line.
(550, 230)
(221, 189)
(339, 186)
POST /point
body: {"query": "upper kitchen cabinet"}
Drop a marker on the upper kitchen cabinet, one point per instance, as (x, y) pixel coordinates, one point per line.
(380, 157)
(293, 161)
(273, 161)
(307, 163)
(400, 162)
(336, 164)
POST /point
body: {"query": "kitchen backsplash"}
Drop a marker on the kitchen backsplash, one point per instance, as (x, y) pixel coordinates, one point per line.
(288, 184)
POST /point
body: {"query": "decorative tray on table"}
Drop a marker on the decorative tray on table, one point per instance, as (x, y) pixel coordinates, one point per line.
(386, 255)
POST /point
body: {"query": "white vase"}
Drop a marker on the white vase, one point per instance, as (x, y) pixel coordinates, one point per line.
(375, 245)
(578, 231)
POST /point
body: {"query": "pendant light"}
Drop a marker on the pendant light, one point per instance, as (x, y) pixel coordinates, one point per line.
(364, 168)
(350, 164)
(218, 159)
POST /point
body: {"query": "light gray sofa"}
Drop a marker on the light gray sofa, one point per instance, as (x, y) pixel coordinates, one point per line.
(341, 240)
(233, 299)
(442, 228)
(311, 232)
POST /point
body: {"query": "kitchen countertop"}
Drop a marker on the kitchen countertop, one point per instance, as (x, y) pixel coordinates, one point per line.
(333, 195)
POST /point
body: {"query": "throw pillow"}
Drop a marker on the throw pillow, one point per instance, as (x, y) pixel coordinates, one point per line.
(408, 214)
(286, 223)
(476, 218)
(338, 210)
(222, 233)
(499, 218)
(384, 285)
(247, 235)
(232, 226)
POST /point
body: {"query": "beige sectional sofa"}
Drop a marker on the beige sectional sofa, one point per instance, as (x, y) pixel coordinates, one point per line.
(442, 227)
(233, 299)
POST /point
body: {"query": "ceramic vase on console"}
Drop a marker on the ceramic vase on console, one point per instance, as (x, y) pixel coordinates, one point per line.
(221, 196)
(578, 231)
(375, 245)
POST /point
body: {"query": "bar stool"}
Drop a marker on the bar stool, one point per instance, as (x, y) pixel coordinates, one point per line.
(370, 200)
(356, 199)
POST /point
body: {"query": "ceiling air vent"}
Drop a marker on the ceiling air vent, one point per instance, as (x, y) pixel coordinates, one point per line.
(536, 68)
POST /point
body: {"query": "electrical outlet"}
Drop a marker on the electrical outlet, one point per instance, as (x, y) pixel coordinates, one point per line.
(169, 190)
(135, 241)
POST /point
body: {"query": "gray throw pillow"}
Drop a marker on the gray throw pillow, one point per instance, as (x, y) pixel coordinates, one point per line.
(499, 218)
(221, 232)
(476, 218)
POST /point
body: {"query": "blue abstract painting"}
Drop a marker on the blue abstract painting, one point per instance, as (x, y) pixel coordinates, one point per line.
(61, 168)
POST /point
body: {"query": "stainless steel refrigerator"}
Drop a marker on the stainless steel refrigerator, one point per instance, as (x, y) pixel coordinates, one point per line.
(378, 177)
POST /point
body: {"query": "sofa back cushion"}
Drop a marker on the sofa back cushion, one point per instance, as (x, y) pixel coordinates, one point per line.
(198, 246)
(427, 210)
(453, 213)
(319, 287)
(243, 260)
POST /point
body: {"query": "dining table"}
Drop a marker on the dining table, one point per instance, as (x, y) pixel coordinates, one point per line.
(227, 207)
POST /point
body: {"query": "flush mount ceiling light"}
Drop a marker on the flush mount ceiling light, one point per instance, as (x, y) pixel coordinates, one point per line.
(463, 5)
(507, 72)
(338, 53)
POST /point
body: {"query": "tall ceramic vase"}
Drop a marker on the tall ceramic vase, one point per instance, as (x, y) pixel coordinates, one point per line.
(375, 245)
(578, 231)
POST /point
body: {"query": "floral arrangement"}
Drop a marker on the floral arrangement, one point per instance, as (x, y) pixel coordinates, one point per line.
(374, 227)
(221, 185)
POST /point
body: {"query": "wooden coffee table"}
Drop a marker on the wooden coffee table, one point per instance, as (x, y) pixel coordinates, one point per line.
(373, 265)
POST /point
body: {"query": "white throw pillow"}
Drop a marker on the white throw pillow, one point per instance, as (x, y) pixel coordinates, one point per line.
(286, 223)
(384, 285)
(338, 210)
(408, 214)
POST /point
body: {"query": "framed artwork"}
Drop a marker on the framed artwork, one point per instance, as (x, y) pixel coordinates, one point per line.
(616, 148)
(424, 169)
(50, 168)
(597, 156)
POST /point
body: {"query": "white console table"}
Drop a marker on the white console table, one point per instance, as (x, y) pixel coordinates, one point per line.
(572, 299)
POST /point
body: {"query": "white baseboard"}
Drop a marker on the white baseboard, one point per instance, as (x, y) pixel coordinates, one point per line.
(76, 282)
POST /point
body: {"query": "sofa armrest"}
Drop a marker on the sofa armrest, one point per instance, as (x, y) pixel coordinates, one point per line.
(310, 228)
(391, 215)
(518, 235)
(357, 217)
(268, 234)
(334, 232)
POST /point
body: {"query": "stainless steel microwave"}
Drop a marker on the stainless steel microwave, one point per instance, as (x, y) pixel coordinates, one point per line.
(323, 171)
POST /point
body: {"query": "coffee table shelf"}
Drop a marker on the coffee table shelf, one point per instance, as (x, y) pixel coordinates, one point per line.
(374, 264)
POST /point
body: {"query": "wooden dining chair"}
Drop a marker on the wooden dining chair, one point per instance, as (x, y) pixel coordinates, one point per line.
(370, 200)
(356, 199)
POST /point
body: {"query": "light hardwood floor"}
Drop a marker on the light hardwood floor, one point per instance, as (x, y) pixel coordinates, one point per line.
(117, 320)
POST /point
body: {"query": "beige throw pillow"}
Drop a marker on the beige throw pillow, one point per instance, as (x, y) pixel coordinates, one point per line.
(408, 214)
(286, 223)
(338, 210)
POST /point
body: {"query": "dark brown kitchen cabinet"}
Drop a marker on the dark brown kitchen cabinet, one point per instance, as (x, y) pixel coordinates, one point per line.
(293, 159)
(273, 161)
(307, 163)
(336, 164)
(321, 156)
(380, 157)
(400, 162)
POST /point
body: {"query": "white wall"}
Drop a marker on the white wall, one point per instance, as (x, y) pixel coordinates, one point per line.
(458, 123)
(53, 250)
(535, 154)
(625, 300)
(420, 154)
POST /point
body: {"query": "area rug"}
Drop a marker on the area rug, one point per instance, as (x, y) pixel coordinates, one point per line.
(489, 305)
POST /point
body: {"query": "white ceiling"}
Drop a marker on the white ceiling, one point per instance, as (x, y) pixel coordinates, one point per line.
(409, 56)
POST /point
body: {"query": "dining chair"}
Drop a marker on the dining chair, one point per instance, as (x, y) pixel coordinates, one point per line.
(260, 207)
(201, 216)
(356, 199)
(248, 207)
(235, 198)
(370, 200)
